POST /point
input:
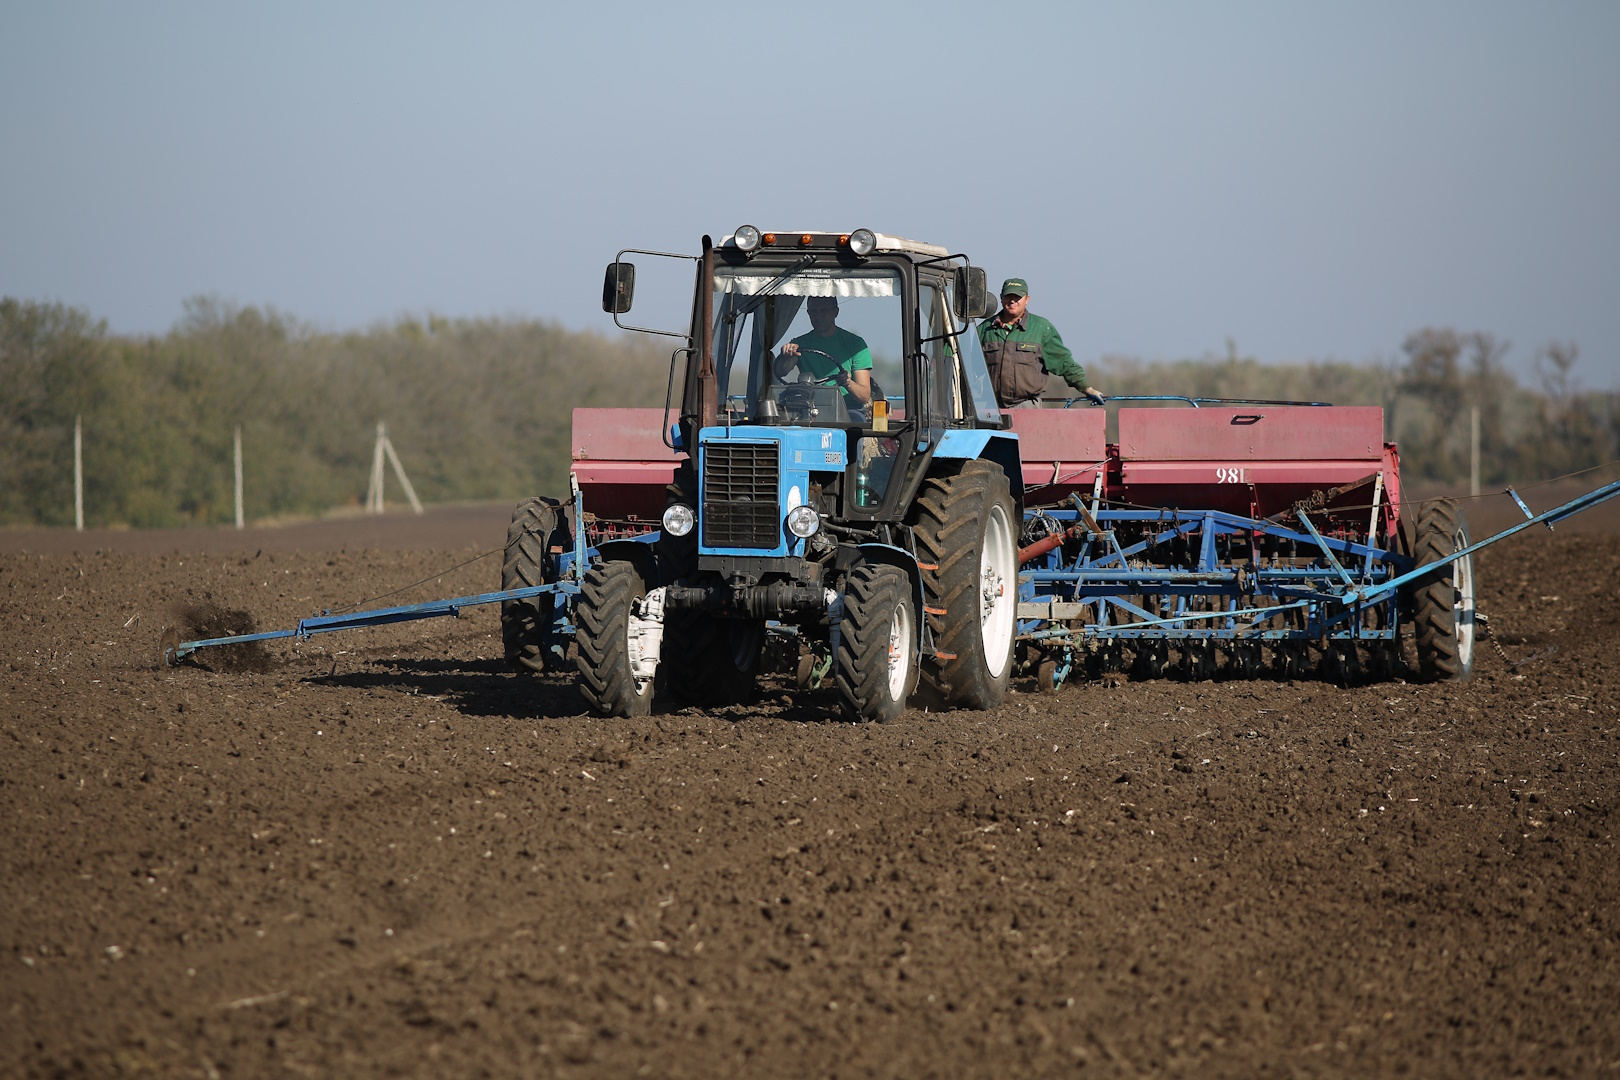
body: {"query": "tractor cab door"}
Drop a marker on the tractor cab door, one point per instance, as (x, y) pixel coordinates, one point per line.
(939, 389)
(976, 403)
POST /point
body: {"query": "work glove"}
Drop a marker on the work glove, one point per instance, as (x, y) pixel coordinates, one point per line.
(1095, 395)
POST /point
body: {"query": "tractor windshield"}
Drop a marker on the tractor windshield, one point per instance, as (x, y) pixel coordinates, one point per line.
(810, 346)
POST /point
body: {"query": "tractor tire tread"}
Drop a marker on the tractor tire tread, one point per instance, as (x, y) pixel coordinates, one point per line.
(1433, 604)
(948, 520)
(526, 563)
(870, 600)
(603, 662)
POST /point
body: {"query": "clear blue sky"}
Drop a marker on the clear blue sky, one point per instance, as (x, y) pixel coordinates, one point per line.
(1311, 180)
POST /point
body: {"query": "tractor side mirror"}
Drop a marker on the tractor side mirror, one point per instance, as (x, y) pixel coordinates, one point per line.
(619, 287)
(971, 294)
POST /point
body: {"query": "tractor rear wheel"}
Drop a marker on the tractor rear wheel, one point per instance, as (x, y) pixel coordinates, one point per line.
(712, 661)
(608, 596)
(965, 528)
(537, 525)
(877, 644)
(1443, 609)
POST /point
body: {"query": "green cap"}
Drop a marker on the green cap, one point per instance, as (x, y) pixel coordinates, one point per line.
(1015, 285)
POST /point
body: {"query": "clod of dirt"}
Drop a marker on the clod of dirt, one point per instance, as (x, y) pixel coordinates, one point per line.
(204, 621)
(612, 753)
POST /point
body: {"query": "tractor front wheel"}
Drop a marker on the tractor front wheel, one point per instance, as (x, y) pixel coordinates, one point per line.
(877, 644)
(610, 594)
(1443, 608)
(965, 527)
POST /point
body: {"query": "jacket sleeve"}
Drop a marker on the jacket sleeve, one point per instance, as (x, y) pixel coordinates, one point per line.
(1058, 360)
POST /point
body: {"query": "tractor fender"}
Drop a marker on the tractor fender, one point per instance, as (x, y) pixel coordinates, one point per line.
(638, 552)
(982, 444)
(894, 556)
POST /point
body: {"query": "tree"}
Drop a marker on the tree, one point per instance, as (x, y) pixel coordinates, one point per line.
(1570, 432)
(1434, 376)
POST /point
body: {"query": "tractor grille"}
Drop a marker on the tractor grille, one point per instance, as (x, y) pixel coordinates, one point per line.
(739, 496)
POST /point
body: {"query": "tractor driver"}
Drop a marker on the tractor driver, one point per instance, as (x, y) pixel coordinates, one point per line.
(829, 353)
(1021, 349)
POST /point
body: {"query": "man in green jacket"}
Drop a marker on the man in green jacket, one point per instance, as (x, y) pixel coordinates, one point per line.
(1021, 350)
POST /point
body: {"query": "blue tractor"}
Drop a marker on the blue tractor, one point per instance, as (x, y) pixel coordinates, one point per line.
(847, 482)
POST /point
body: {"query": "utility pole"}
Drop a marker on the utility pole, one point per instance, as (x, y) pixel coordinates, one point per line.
(238, 476)
(384, 453)
(78, 474)
(374, 495)
(1473, 450)
(399, 471)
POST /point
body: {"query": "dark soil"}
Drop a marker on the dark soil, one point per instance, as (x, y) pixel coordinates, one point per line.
(386, 853)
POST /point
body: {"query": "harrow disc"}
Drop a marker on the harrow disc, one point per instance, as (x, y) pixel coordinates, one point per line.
(168, 645)
(1046, 677)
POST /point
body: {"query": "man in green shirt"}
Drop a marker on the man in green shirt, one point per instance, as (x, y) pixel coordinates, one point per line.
(829, 353)
(1021, 350)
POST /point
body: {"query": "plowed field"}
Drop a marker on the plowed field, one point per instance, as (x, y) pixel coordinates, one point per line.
(385, 853)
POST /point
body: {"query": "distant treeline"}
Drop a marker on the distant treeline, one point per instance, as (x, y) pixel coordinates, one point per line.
(477, 409)
(480, 409)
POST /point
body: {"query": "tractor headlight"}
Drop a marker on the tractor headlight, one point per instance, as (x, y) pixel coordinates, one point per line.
(803, 521)
(679, 519)
(746, 238)
(863, 242)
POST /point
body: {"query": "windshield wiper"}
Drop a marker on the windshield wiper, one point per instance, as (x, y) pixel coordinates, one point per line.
(733, 317)
(769, 290)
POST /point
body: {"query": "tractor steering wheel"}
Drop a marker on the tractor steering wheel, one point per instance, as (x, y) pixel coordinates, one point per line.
(806, 377)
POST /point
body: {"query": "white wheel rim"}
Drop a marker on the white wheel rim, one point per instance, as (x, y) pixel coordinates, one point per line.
(998, 591)
(900, 636)
(1462, 604)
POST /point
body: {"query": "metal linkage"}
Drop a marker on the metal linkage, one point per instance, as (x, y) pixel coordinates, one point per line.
(325, 624)
(1376, 593)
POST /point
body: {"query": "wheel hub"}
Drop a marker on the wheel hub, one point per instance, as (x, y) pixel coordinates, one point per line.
(992, 588)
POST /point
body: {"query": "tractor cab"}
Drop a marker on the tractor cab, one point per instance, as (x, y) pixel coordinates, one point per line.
(810, 330)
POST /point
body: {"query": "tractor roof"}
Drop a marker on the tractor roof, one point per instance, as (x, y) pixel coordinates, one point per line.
(812, 239)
